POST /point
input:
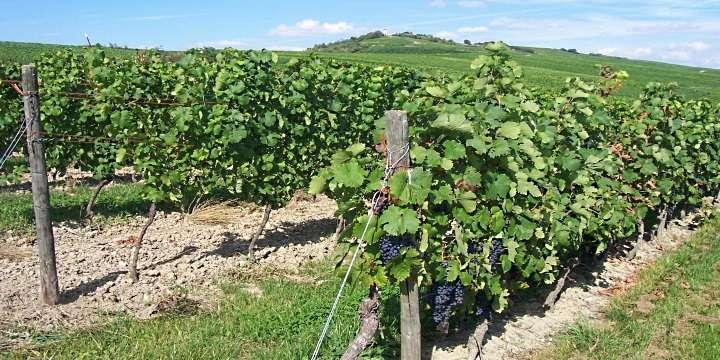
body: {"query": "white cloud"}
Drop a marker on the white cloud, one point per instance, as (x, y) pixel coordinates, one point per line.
(471, 4)
(312, 27)
(692, 53)
(449, 35)
(285, 48)
(692, 46)
(608, 51)
(699, 46)
(472, 29)
(438, 3)
(643, 51)
(677, 55)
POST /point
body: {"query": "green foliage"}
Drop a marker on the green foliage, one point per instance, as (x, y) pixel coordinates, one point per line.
(555, 176)
(215, 121)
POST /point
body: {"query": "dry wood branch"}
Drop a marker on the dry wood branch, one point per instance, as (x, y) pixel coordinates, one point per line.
(475, 341)
(662, 220)
(559, 286)
(136, 250)
(256, 236)
(340, 228)
(369, 322)
(89, 208)
(639, 241)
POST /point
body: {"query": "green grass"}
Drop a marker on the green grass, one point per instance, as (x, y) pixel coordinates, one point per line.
(546, 68)
(282, 323)
(673, 312)
(114, 203)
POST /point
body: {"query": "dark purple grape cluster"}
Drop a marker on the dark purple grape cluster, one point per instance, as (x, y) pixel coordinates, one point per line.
(475, 248)
(444, 297)
(482, 307)
(380, 201)
(495, 251)
(390, 246)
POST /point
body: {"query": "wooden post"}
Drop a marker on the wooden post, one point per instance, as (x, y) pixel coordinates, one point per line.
(396, 135)
(49, 288)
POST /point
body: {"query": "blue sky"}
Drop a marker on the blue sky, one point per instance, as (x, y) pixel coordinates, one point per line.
(683, 32)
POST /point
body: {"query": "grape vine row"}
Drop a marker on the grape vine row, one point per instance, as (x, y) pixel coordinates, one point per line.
(509, 183)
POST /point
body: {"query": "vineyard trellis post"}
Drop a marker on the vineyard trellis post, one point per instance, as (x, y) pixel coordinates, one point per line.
(396, 135)
(49, 287)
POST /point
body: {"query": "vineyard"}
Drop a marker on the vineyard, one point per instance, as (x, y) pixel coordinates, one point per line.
(475, 189)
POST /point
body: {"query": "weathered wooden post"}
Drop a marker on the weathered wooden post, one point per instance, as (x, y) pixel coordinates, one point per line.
(396, 135)
(49, 288)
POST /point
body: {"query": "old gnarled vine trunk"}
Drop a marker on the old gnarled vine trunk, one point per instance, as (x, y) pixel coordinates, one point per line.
(132, 271)
(369, 322)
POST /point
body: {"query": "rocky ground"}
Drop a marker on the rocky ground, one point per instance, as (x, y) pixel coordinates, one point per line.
(179, 255)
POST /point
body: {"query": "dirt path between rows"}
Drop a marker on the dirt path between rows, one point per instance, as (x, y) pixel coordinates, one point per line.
(177, 257)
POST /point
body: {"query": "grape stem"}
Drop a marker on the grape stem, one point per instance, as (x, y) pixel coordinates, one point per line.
(132, 271)
(639, 241)
(258, 232)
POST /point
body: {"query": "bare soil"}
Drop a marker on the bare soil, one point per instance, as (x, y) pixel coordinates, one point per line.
(179, 255)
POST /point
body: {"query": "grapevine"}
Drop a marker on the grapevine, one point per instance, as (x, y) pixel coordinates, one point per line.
(510, 184)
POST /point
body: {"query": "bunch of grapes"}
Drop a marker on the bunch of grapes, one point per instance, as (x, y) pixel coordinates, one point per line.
(444, 297)
(495, 251)
(380, 202)
(475, 248)
(390, 246)
(482, 307)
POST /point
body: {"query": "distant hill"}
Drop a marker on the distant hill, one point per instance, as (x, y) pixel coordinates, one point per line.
(543, 67)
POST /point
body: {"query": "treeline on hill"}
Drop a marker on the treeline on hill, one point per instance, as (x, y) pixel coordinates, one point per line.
(355, 43)
(508, 185)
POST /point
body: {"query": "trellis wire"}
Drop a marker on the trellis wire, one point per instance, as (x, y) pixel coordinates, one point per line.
(13, 143)
(388, 171)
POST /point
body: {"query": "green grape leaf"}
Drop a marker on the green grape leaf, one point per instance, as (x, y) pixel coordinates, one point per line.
(350, 174)
(453, 150)
(398, 221)
(411, 187)
(317, 184)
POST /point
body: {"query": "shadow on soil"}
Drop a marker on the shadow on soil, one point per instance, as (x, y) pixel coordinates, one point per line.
(234, 245)
(297, 233)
